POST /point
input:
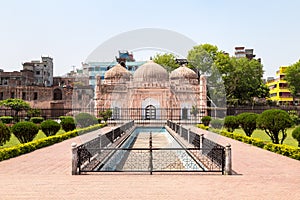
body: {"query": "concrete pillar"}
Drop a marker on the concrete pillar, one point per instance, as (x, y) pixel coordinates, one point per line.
(201, 142)
(228, 160)
(180, 130)
(74, 158)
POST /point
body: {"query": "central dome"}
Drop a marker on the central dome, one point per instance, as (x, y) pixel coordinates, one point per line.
(150, 72)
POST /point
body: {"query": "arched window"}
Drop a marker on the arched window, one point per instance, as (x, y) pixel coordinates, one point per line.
(57, 94)
(116, 113)
(150, 112)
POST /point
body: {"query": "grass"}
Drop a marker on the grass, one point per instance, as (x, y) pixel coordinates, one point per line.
(258, 133)
(14, 140)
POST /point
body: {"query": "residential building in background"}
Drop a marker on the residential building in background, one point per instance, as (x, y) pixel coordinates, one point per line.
(42, 71)
(94, 69)
(242, 52)
(279, 91)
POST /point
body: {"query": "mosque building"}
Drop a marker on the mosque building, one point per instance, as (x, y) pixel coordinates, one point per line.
(151, 93)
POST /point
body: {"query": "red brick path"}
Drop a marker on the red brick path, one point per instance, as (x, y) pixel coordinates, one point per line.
(46, 174)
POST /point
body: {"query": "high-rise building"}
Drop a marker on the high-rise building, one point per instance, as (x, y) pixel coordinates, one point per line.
(242, 52)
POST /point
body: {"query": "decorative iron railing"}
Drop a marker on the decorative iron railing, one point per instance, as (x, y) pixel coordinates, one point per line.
(212, 150)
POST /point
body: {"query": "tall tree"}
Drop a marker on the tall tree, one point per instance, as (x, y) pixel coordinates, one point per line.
(15, 104)
(292, 77)
(167, 60)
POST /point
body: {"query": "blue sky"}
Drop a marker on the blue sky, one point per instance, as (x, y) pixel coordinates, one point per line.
(69, 30)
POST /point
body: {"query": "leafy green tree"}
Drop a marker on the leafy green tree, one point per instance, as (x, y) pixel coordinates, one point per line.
(105, 115)
(50, 127)
(167, 60)
(15, 104)
(248, 122)
(34, 112)
(274, 122)
(85, 120)
(4, 134)
(25, 131)
(296, 134)
(231, 123)
(292, 76)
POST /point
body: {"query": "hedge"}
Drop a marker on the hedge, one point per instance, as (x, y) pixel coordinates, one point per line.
(37, 120)
(6, 119)
(10, 152)
(286, 150)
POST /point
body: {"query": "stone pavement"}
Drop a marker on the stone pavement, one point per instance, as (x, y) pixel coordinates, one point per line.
(46, 174)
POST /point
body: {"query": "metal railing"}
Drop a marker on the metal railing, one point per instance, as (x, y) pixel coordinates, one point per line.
(212, 150)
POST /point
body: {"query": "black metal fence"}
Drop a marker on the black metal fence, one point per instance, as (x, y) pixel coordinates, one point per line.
(104, 154)
(212, 150)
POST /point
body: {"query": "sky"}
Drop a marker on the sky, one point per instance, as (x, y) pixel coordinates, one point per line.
(69, 30)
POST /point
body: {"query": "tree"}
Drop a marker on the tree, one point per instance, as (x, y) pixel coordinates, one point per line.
(34, 112)
(15, 104)
(206, 120)
(296, 135)
(4, 134)
(105, 115)
(50, 127)
(292, 76)
(247, 121)
(85, 120)
(167, 60)
(274, 122)
(67, 123)
(25, 131)
(231, 123)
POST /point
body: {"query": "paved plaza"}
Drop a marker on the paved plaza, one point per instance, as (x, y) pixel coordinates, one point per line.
(46, 174)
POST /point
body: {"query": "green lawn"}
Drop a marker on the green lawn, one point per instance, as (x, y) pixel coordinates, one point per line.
(289, 140)
(14, 141)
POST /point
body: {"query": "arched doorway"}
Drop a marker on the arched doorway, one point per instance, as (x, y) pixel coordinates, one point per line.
(184, 113)
(57, 94)
(150, 112)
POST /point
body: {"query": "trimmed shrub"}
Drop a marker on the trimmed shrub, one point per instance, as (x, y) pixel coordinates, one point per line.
(205, 120)
(37, 120)
(64, 117)
(292, 152)
(231, 123)
(6, 119)
(296, 135)
(25, 131)
(85, 120)
(202, 126)
(50, 127)
(105, 115)
(247, 121)
(4, 134)
(273, 122)
(217, 123)
(11, 152)
(68, 124)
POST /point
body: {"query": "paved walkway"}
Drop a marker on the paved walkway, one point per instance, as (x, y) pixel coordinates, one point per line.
(46, 174)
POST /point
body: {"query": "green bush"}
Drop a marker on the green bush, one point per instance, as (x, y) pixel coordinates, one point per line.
(205, 120)
(217, 123)
(64, 117)
(274, 122)
(37, 120)
(296, 134)
(247, 121)
(105, 115)
(50, 127)
(25, 131)
(11, 152)
(292, 152)
(294, 117)
(202, 126)
(231, 123)
(6, 119)
(68, 124)
(4, 134)
(85, 120)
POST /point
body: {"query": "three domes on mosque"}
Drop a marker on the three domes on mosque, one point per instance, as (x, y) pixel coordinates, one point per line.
(150, 72)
